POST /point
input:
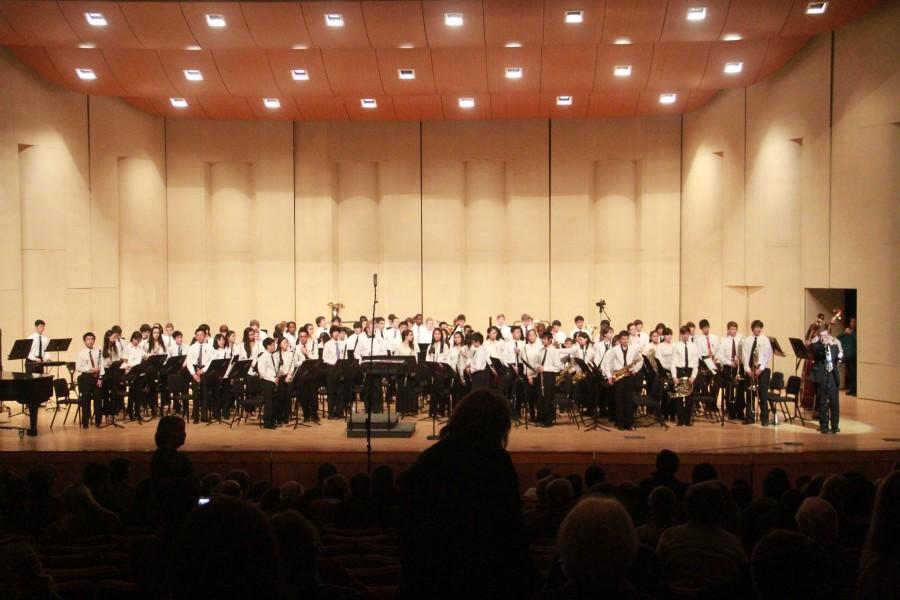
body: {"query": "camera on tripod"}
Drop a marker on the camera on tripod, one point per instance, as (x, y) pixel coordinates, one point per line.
(601, 304)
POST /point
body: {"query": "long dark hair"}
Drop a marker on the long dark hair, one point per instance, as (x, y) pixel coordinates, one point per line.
(154, 342)
(246, 342)
(109, 346)
(431, 346)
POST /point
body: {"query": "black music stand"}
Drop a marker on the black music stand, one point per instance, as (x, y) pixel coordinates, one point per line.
(112, 378)
(132, 377)
(214, 373)
(307, 373)
(436, 371)
(20, 351)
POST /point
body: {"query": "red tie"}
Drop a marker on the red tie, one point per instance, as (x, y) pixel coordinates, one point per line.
(733, 349)
(708, 348)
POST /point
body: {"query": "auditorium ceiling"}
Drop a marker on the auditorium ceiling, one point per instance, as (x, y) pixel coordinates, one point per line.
(412, 60)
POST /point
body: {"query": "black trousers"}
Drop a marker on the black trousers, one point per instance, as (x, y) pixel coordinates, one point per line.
(829, 403)
(546, 412)
(850, 377)
(440, 395)
(372, 394)
(268, 395)
(481, 379)
(761, 396)
(201, 399)
(88, 394)
(624, 402)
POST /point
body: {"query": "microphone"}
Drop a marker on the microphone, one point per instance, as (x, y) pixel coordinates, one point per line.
(375, 279)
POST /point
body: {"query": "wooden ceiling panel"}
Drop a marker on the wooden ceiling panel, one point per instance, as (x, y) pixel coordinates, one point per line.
(282, 62)
(677, 28)
(144, 104)
(613, 104)
(175, 62)
(589, 31)
(351, 35)
(246, 72)
(459, 70)
(286, 112)
(395, 24)
(471, 34)
(528, 59)
(750, 53)
(549, 109)
(568, 69)
(390, 60)
(226, 107)
(276, 24)
(8, 35)
(515, 106)
(516, 21)
(139, 72)
(678, 65)
(39, 23)
(235, 34)
(116, 34)
(159, 25)
(321, 108)
(610, 56)
(751, 19)
(194, 110)
(36, 58)
(837, 13)
(779, 51)
(418, 108)
(649, 104)
(66, 60)
(384, 111)
(453, 111)
(638, 21)
(353, 71)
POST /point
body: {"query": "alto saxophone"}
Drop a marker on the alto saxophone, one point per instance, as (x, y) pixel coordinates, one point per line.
(626, 370)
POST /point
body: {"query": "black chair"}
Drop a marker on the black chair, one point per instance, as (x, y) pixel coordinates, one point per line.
(251, 401)
(70, 367)
(569, 407)
(792, 392)
(774, 396)
(61, 391)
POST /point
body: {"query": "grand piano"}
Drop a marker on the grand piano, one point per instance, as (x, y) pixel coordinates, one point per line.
(31, 390)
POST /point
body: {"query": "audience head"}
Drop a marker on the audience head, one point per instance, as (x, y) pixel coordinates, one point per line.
(298, 545)
(228, 487)
(226, 549)
(481, 419)
(787, 565)
(667, 463)
(559, 494)
(776, 483)
(325, 471)
(41, 479)
(242, 478)
(597, 544)
(759, 518)
(703, 472)
(335, 488)
(883, 540)
(706, 503)
(593, 475)
(663, 505)
(360, 486)
(291, 493)
(170, 433)
(818, 520)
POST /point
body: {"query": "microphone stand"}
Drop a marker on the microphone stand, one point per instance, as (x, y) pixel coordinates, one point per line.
(369, 374)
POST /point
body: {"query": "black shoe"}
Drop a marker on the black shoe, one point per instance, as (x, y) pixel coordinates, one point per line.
(836, 430)
(747, 422)
(824, 431)
(196, 421)
(765, 423)
(269, 426)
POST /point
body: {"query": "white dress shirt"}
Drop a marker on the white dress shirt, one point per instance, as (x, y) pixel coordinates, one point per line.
(291, 338)
(679, 351)
(704, 349)
(510, 356)
(176, 349)
(267, 367)
(198, 354)
(601, 347)
(614, 360)
(439, 352)
(421, 334)
(531, 356)
(550, 359)
(663, 354)
(133, 356)
(728, 347)
(478, 359)
(505, 331)
(765, 351)
(404, 350)
(334, 351)
(585, 353)
(367, 346)
(560, 337)
(87, 360)
(38, 346)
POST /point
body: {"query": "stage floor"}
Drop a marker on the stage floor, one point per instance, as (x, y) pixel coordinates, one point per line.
(869, 440)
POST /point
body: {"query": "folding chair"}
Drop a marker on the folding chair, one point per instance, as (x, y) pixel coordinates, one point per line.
(773, 394)
(61, 391)
(792, 392)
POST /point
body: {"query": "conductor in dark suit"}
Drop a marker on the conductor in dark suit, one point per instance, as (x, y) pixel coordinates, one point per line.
(825, 375)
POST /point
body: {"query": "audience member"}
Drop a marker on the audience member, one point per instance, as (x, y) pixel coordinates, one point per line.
(168, 462)
(663, 511)
(788, 566)
(82, 516)
(703, 472)
(43, 505)
(354, 512)
(880, 563)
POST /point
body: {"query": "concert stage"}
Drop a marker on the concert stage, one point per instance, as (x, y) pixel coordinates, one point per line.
(869, 442)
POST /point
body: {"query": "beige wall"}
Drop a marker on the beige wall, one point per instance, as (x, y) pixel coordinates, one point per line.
(780, 195)
(731, 212)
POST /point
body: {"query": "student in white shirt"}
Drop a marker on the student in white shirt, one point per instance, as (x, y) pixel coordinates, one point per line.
(154, 343)
(438, 352)
(685, 363)
(579, 327)
(407, 398)
(756, 353)
(623, 355)
(38, 352)
(320, 328)
(168, 331)
(199, 355)
(505, 330)
(353, 340)
(729, 359)
(337, 385)
(89, 366)
(478, 363)
(642, 335)
(548, 365)
(267, 367)
(290, 333)
(559, 336)
(421, 334)
(133, 356)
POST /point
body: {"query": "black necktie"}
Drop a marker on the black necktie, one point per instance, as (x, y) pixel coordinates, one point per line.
(544, 358)
(179, 350)
(40, 346)
(752, 351)
(733, 349)
(686, 366)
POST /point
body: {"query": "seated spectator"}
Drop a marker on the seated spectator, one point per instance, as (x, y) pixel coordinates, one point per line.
(229, 487)
(775, 484)
(43, 505)
(291, 496)
(817, 520)
(544, 524)
(334, 491)
(82, 516)
(243, 480)
(880, 564)
(663, 510)
(167, 461)
(226, 550)
(385, 497)
(597, 547)
(762, 516)
(354, 512)
(593, 475)
(788, 565)
(667, 464)
(462, 534)
(121, 492)
(22, 576)
(577, 485)
(700, 554)
(703, 472)
(95, 476)
(325, 471)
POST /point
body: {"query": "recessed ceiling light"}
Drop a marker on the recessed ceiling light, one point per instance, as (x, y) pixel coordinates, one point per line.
(299, 47)
(407, 46)
(193, 48)
(564, 100)
(696, 13)
(816, 8)
(334, 20)
(668, 98)
(622, 70)
(368, 103)
(95, 19)
(406, 73)
(271, 102)
(453, 19)
(466, 102)
(733, 67)
(216, 21)
(574, 16)
(86, 45)
(178, 102)
(513, 44)
(514, 72)
(193, 75)
(622, 41)
(86, 74)
(731, 37)
(300, 74)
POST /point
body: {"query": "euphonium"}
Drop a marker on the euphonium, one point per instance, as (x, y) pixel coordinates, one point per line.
(561, 377)
(579, 376)
(683, 388)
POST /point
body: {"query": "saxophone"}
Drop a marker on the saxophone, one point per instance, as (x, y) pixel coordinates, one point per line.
(626, 370)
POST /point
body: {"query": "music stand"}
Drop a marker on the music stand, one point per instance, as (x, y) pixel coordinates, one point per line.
(131, 377)
(214, 372)
(306, 374)
(20, 351)
(436, 372)
(112, 377)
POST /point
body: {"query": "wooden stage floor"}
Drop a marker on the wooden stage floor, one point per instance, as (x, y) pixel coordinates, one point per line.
(869, 441)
